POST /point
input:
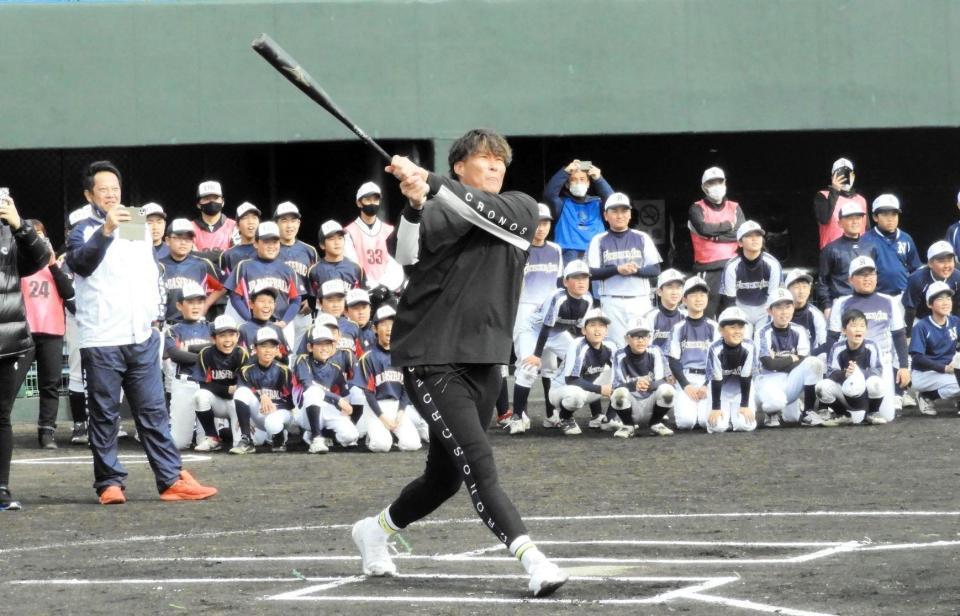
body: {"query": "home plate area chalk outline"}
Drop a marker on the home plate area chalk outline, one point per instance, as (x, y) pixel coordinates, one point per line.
(602, 568)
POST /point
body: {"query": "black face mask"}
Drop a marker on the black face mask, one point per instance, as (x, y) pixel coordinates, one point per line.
(212, 208)
(370, 210)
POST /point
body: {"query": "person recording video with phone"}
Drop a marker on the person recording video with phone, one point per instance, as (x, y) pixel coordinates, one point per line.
(578, 213)
(22, 253)
(118, 298)
(827, 203)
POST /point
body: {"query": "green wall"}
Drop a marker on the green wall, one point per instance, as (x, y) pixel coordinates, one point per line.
(129, 74)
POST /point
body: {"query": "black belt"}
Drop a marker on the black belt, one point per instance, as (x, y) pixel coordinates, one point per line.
(695, 371)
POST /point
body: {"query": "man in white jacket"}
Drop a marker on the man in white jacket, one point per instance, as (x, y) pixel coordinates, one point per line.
(118, 298)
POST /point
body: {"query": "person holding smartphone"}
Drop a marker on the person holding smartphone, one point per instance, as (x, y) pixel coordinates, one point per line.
(23, 253)
(827, 203)
(578, 214)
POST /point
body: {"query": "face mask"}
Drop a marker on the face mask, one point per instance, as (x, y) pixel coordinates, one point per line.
(370, 210)
(578, 190)
(717, 192)
(212, 208)
(848, 185)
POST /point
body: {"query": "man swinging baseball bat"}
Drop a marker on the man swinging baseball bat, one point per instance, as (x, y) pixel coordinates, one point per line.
(466, 244)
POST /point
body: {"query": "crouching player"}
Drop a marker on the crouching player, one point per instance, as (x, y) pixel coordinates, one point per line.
(730, 363)
(641, 393)
(786, 368)
(687, 356)
(586, 375)
(216, 371)
(853, 388)
(387, 412)
(322, 390)
(264, 396)
(546, 340)
(933, 348)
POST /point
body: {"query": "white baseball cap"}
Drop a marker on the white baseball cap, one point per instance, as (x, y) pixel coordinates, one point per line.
(779, 295)
(367, 188)
(224, 323)
(209, 188)
(861, 263)
(695, 282)
(321, 333)
(333, 287)
(713, 173)
(268, 230)
(734, 315)
(749, 226)
(191, 290)
(287, 208)
(939, 249)
(936, 289)
(267, 334)
(594, 314)
(153, 209)
(639, 325)
(668, 276)
(245, 208)
(854, 385)
(327, 320)
(841, 163)
(797, 274)
(851, 208)
(357, 296)
(576, 268)
(180, 226)
(384, 313)
(329, 228)
(886, 202)
(545, 213)
(617, 199)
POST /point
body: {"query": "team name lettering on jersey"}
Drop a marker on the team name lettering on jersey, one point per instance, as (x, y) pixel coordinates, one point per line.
(388, 376)
(299, 268)
(269, 283)
(695, 344)
(615, 255)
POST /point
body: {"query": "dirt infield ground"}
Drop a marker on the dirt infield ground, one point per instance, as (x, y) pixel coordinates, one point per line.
(859, 520)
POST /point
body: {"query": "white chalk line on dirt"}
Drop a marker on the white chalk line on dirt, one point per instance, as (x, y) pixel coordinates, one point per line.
(125, 458)
(748, 605)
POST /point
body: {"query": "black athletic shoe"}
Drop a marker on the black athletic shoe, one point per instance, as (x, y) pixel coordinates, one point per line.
(6, 500)
(79, 436)
(46, 438)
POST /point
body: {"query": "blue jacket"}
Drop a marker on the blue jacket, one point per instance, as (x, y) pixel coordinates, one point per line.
(896, 257)
(835, 258)
(575, 221)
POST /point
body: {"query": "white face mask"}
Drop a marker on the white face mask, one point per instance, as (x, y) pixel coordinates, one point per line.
(578, 189)
(717, 192)
(848, 185)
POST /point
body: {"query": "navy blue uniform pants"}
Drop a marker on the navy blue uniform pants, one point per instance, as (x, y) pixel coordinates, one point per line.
(135, 368)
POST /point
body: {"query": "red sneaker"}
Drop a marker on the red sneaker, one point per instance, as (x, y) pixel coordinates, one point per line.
(183, 490)
(112, 495)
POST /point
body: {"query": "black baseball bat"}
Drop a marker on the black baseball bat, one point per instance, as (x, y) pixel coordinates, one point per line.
(273, 53)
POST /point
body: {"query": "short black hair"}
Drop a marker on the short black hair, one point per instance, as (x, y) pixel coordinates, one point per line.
(852, 315)
(96, 167)
(476, 141)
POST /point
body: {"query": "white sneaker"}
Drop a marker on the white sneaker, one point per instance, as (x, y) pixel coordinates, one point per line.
(570, 427)
(526, 421)
(371, 540)
(898, 403)
(208, 443)
(551, 421)
(833, 420)
(625, 432)
(909, 400)
(811, 419)
(515, 427)
(317, 445)
(546, 578)
(773, 420)
(597, 422)
(925, 406)
(874, 419)
(661, 430)
(611, 425)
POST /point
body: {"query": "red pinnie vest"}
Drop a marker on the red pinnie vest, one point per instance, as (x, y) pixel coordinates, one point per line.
(371, 246)
(832, 230)
(43, 303)
(706, 250)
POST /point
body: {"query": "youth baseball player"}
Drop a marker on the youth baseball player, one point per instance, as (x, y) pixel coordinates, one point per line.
(854, 386)
(358, 312)
(641, 393)
(668, 312)
(896, 254)
(805, 314)
(687, 356)
(940, 267)
(181, 267)
(264, 396)
(262, 306)
(387, 410)
(587, 373)
(787, 369)
(321, 393)
(730, 364)
(750, 277)
(183, 341)
(933, 350)
(885, 326)
(336, 263)
(545, 341)
(300, 257)
(216, 372)
(622, 262)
